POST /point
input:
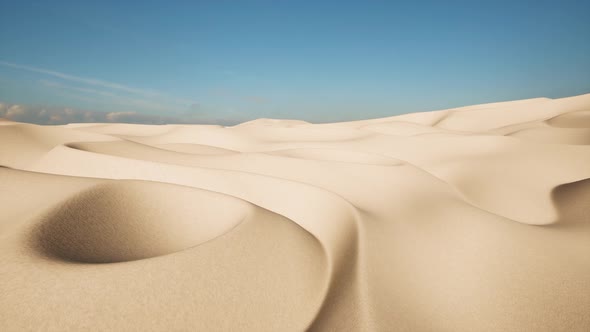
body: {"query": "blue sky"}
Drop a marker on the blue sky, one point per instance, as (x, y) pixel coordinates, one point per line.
(231, 61)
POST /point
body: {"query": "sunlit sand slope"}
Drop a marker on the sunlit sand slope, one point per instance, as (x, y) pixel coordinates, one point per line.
(468, 219)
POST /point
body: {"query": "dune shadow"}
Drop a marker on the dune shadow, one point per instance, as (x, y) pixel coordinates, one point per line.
(120, 221)
(572, 202)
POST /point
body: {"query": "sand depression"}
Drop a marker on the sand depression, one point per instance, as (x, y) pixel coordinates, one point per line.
(127, 220)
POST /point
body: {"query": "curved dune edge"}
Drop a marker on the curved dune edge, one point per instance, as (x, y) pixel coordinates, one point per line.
(129, 220)
(452, 220)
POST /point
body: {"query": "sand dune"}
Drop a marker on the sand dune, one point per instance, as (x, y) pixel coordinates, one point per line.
(467, 219)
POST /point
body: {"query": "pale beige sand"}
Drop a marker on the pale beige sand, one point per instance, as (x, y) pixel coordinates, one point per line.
(469, 219)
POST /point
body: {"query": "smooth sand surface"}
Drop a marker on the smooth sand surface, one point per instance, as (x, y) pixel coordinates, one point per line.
(468, 219)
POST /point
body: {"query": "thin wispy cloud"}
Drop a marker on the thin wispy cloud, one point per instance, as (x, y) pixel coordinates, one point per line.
(129, 101)
(112, 98)
(89, 81)
(121, 88)
(54, 84)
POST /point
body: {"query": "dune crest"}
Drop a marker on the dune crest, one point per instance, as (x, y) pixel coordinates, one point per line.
(466, 219)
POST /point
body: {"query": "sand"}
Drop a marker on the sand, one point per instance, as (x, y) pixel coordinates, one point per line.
(468, 219)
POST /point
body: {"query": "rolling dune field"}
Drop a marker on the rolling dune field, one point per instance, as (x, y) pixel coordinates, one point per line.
(469, 219)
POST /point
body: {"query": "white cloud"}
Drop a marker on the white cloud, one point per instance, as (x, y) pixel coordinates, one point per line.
(117, 116)
(14, 111)
(56, 116)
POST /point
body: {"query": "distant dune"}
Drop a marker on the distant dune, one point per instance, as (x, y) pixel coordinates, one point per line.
(468, 219)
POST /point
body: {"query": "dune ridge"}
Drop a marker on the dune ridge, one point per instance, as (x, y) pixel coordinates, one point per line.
(467, 219)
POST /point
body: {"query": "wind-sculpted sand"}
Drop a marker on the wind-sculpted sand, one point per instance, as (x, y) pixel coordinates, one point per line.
(469, 219)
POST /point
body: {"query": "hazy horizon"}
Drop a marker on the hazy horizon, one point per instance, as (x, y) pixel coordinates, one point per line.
(227, 62)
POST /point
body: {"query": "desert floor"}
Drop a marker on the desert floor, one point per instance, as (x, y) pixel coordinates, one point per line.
(469, 219)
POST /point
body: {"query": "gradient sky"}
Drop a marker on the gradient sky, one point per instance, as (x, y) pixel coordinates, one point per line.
(231, 61)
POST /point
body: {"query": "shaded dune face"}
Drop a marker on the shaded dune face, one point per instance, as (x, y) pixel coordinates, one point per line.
(579, 119)
(555, 135)
(121, 221)
(572, 201)
(572, 128)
